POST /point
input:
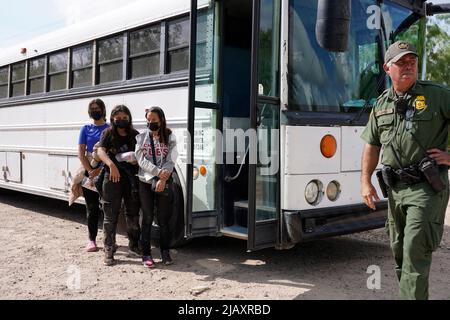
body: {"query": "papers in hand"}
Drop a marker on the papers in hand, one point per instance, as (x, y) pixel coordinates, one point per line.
(148, 177)
(126, 156)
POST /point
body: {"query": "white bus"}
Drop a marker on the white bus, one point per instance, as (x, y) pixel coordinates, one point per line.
(270, 66)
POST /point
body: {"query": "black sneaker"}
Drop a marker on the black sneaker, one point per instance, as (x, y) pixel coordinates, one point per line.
(165, 257)
(134, 251)
(108, 259)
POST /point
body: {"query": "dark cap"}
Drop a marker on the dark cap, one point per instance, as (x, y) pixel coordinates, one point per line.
(398, 50)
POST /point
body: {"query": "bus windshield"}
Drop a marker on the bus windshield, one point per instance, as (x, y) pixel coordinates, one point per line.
(324, 81)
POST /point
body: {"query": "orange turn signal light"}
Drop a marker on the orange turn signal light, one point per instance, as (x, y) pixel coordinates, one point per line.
(202, 170)
(328, 146)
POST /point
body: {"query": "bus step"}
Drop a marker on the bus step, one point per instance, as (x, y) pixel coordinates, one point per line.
(266, 212)
(235, 231)
(244, 205)
(241, 204)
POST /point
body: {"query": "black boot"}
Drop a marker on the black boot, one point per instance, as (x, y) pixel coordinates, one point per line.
(165, 257)
(115, 246)
(134, 249)
(108, 260)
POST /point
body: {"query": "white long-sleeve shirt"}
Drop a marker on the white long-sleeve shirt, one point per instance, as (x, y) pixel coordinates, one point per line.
(166, 155)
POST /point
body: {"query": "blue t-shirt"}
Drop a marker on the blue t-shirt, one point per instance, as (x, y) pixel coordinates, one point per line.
(90, 134)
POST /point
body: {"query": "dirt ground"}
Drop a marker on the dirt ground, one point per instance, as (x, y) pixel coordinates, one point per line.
(42, 257)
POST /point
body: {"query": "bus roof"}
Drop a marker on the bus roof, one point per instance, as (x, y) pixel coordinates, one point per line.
(128, 17)
(133, 15)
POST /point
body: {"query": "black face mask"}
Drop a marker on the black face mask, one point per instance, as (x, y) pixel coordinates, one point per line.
(153, 126)
(96, 115)
(122, 124)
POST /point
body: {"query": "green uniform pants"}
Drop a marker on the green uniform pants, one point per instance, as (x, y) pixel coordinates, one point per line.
(415, 225)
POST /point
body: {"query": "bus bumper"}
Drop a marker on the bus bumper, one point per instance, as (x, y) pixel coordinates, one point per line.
(305, 225)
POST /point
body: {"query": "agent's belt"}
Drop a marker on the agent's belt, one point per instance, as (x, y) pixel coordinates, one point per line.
(408, 175)
(426, 170)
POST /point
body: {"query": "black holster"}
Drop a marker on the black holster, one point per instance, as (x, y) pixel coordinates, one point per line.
(430, 171)
(388, 175)
(383, 186)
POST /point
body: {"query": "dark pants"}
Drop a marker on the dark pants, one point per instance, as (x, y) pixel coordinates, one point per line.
(113, 193)
(148, 198)
(92, 212)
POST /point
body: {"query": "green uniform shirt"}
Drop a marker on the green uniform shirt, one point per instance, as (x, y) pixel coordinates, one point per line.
(386, 128)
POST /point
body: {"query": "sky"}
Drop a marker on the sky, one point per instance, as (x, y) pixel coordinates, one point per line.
(42, 16)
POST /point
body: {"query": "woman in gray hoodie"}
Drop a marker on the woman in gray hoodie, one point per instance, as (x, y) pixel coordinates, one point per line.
(156, 153)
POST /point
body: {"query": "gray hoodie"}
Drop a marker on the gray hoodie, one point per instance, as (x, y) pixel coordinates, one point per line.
(166, 155)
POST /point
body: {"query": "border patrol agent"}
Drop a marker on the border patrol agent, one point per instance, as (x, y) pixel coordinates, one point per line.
(409, 123)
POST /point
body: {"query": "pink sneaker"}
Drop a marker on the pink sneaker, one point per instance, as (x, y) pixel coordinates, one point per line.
(148, 261)
(91, 246)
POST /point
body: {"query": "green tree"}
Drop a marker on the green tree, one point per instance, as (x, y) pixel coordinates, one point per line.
(438, 49)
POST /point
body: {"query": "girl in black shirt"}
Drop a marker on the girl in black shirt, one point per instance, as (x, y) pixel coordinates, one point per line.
(120, 181)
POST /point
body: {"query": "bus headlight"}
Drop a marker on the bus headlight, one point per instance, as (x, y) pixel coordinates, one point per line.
(195, 173)
(313, 192)
(333, 190)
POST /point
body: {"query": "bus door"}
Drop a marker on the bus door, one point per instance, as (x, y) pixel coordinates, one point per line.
(264, 167)
(204, 118)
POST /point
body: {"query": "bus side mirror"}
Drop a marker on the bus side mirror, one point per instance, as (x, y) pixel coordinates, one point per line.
(333, 24)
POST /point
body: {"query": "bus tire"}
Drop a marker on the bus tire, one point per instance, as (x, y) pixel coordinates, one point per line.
(176, 221)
